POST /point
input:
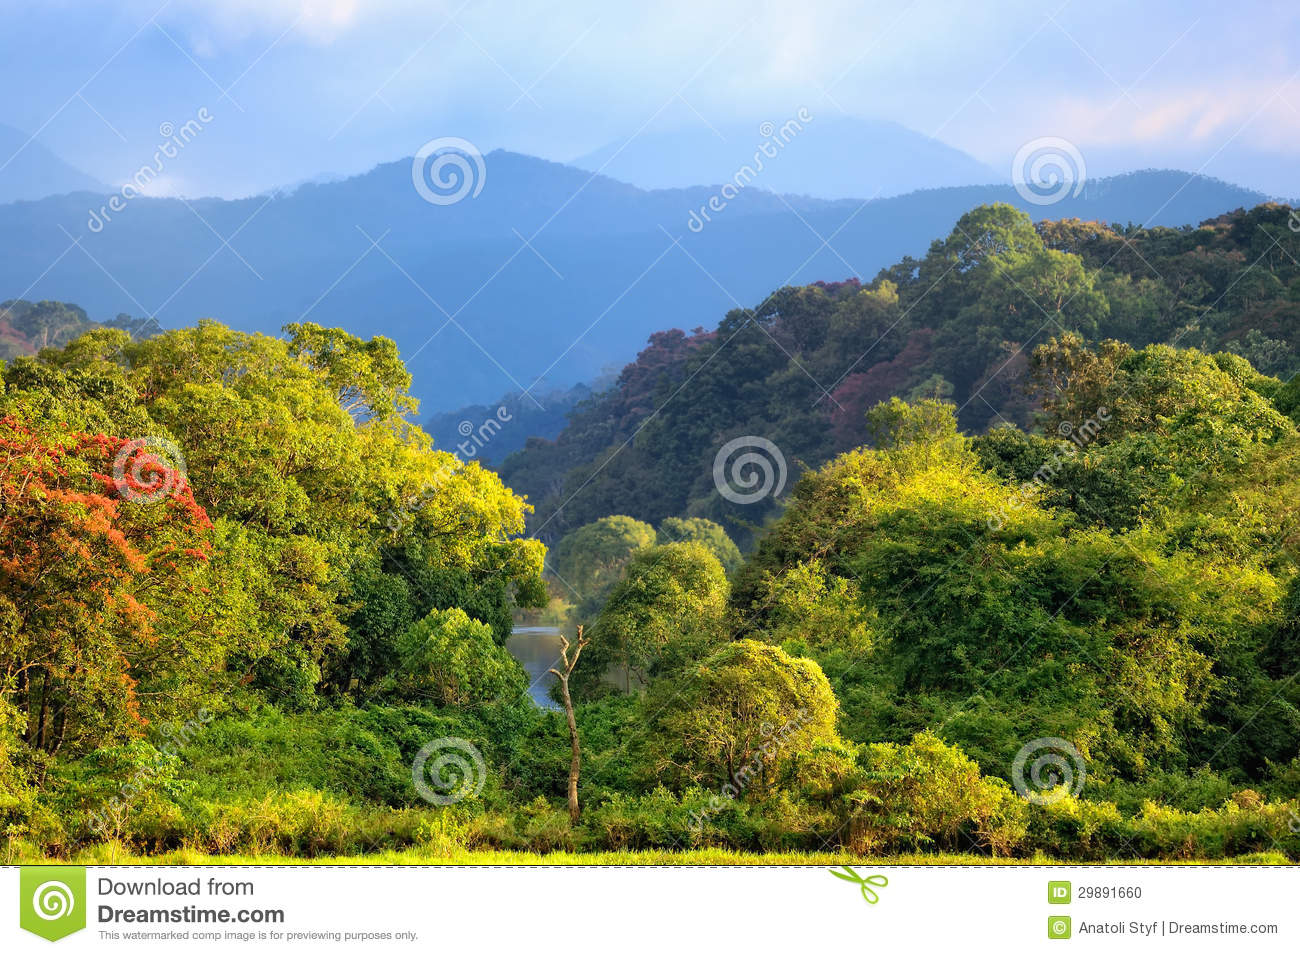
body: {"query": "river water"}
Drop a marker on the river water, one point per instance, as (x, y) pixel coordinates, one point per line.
(537, 649)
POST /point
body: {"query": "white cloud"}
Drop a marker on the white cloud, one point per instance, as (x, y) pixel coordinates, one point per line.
(1261, 113)
(354, 82)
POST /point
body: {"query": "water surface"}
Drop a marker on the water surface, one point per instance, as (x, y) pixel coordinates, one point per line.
(537, 649)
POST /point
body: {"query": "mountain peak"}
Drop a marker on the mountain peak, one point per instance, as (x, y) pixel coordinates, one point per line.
(829, 157)
(31, 171)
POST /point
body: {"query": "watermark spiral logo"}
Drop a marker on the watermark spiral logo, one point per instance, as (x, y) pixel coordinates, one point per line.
(148, 469)
(53, 900)
(457, 771)
(1055, 768)
(1047, 170)
(447, 170)
(748, 469)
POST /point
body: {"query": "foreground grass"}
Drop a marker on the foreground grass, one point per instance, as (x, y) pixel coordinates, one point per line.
(115, 855)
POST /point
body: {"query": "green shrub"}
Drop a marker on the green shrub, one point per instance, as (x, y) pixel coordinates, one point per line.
(1077, 829)
(930, 794)
(1244, 824)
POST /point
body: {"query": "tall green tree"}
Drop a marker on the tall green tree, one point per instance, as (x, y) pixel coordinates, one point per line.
(743, 717)
(668, 606)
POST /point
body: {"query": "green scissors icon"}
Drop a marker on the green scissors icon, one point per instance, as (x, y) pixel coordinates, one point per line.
(865, 883)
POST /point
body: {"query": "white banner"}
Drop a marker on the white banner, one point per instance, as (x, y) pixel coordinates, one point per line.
(650, 909)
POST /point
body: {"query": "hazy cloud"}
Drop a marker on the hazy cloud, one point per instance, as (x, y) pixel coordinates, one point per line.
(304, 87)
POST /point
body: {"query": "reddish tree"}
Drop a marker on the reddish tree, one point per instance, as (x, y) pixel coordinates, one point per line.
(93, 580)
(664, 355)
(859, 392)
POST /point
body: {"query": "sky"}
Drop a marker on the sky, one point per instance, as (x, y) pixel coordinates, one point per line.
(303, 89)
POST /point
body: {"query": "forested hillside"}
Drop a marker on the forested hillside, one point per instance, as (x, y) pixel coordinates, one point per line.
(246, 606)
(801, 367)
(601, 275)
(27, 327)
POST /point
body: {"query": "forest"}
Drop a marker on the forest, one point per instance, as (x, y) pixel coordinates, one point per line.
(803, 366)
(1030, 591)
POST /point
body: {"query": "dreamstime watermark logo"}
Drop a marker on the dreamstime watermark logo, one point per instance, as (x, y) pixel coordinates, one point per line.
(1047, 170)
(748, 469)
(1293, 221)
(52, 900)
(478, 438)
(1055, 769)
(447, 170)
(148, 469)
(775, 139)
(457, 772)
(1074, 439)
(174, 139)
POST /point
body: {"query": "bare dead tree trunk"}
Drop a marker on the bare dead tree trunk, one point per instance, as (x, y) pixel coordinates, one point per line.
(576, 758)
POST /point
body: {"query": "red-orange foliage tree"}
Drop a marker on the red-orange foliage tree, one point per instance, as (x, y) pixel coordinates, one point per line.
(99, 581)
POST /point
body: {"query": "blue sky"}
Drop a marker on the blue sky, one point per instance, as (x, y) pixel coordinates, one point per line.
(299, 89)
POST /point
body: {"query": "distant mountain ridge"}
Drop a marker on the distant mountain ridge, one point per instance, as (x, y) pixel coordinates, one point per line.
(31, 171)
(478, 311)
(827, 157)
(489, 433)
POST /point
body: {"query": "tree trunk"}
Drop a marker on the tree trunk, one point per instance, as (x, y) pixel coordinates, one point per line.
(40, 719)
(575, 760)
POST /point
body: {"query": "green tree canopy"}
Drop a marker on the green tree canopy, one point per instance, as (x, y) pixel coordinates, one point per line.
(316, 486)
(680, 530)
(742, 717)
(672, 597)
(589, 560)
(1003, 619)
(451, 659)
